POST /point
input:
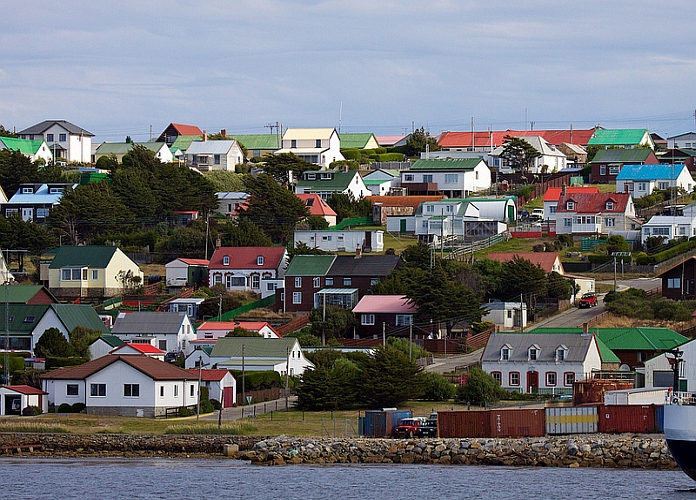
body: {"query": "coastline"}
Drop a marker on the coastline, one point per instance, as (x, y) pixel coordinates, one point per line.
(586, 450)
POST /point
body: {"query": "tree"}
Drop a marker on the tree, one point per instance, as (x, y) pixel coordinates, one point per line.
(332, 321)
(241, 332)
(559, 287)
(345, 206)
(480, 388)
(7, 133)
(519, 154)
(389, 378)
(522, 277)
(133, 188)
(617, 243)
(129, 281)
(437, 387)
(243, 233)
(283, 165)
(53, 343)
(225, 181)
(15, 168)
(81, 338)
(419, 140)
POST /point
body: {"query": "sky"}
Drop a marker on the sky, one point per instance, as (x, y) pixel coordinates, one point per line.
(381, 66)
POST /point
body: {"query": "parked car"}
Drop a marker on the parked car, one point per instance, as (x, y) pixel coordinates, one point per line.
(415, 427)
(588, 299)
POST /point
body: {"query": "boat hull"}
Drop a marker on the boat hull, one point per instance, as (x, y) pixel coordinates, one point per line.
(680, 434)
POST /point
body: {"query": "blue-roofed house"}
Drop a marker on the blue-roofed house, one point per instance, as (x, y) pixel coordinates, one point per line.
(209, 156)
(642, 180)
(33, 201)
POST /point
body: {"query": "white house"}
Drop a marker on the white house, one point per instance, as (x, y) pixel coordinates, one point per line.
(669, 227)
(321, 146)
(553, 194)
(327, 182)
(209, 156)
(15, 398)
(144, 349)
(182, 271)
(341, 241)
(119, 149)
(682, 141)
(258, 354)
(658, 370)
(642, 180)
(221, 384)
(231, 201)
(216, 329)
(200, 355)
(168, 331)
(103, 345)
(541, 362)
(583, 214)
(550, 159)
(188, 305)
(64, 139)
(129, 385)
(381, 182)
(506, 315)
(34, 150)
(454, 178)
(244, 268)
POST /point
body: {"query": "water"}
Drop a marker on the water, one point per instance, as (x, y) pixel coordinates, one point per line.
(110, 479)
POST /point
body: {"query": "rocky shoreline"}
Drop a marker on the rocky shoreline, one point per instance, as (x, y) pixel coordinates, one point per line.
(593, 450)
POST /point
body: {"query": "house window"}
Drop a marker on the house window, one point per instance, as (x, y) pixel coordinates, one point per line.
(533, 353)
(97, 390)
(347, 281)
(610, 205)
(317, 144)
(642, 186)
(297, 297)
(673, 282)
(367, 319)
(259, 260)
(55, 190)
(408, 178)
(560, 354)
(430, 209)
(226, 260)
(42, 213)
(569, 378)
(176, 390)
(95, 274)
(614, 169)
(29, 319)
(192, 393)
(298, 282)
(255, 280)
(49, 137)
(161, 391)
(497, 376)
(194, 159)
(328, 281)
(550, 379)
(374, 281)
(610, 222)
(505, 354)
(72, 390)
(514, 378)
(62, 137)
(316, 282)
(602, 170)
(427, 177)
(216, 159)
(131, 390)
(257, 153)
(404, 319)
(451, 178)
(84, 275)
(271, 286)
(217, 279)
(662, 185)
(27, 190)
(552, 209)
(293, 143)
(570, 205)
(162, 345)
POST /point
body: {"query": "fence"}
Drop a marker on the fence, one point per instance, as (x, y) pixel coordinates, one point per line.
(293, 325)
(461, 251)
(230, 315)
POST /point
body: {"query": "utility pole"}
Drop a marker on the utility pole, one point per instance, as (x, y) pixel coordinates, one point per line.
(384, 333)
(410, 341)
(243, 395)
(287, 378)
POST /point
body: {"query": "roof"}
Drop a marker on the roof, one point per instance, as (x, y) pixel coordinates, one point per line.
(22, 294)
(254, 347)
(578, 346)
(310, 265)
(27, 390)
(402, 201)
(447, 164)
(93, 256)
(121, 148)
(182, 142)
(74, 315)
(195, 262)
(389, 140)
(209, 375)
(593, 203)
(246, 257)
(545, 260)
(111, 340)
(148, 322)
(153, 368)
(316, 205)
(210, 147)
(554, 193)
(367, 265)
(355, 141)
(141, 348)
(183, 129)
(650, 172)
(269, 142)
(385, 304)
(24, 146)
(308, 133)
(40, 128)
(338, 181)
(622, 155)
(228, 326)
(449, 140)
(41, 194)
(23, 318)
(629, 339)
(609, 137)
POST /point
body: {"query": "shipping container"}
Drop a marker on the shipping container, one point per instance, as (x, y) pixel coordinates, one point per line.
(578, 420)
(379, 423)
(592, 390)
(517, 422)
(659, 418)
(463, 424)
(642, 396)
(626, 418)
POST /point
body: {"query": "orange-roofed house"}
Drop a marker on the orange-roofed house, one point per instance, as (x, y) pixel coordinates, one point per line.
(221, 384)
(144, 349)
(487, 141)
(243, 268)
(216, 329)
(183, 271)
(548, 261)
(318, 207)
(175, 130)
(553, 194)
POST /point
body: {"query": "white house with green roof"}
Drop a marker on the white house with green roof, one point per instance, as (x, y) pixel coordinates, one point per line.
(120, 149)
(622, 138)
(359, 141)
(331, 240)
(259, 145)
(321, 146)
(91, 271)
(327, 182)
(382, 181)
(454, 178)
(32, 149)
(258, 354)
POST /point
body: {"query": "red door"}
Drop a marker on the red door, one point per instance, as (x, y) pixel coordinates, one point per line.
(532, 382)
(228, 397)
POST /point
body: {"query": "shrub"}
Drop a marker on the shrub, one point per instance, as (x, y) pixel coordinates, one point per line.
(16, 364)
(37, 410)
(28, 411)
(216, 404)
(437, 387)
(185, 412)
(77, 407)
(479, 388)
(64, 408)
(207, 406)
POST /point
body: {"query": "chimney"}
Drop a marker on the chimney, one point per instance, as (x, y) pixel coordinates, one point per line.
(218, 243)
(358, 251)
(563, 190)
(585, 328)
(223, 133)
(345, 168)
(205, 136)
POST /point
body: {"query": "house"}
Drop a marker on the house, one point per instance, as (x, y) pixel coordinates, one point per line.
(27, 322)
(143, 349)
(332, 240)
(103, 345)
(183, 271)
(553, 194)
(359, 141)
(576, 155)
(34, 201)
(678, 281)
(642, 180)
(454, 178)
(321, 146)
(392, 141)
(259, 354)
(259, 145)
(686, 140)
(6, 276)
(188, 305)
(119, 149)
(303, 279)
(501, 209)
(489, 140)
(230, 202)
(216, 329)
(550, 159)
(678, 157)
(327, 182)
(385, 206)
(168, 331)
(243, 268)
(622, 138)
(221, 385)
(127, 385)
(92, 271)
(33, 149)
(15, 398)
(582, 214)
(668, 227)
(318, 207)
(361, 272)
(64, 139)
(658, 369)
(390, 315)
(28, 294)
(506, 315)
(548, 261)
(210, 156)
(200, 355)
(175, 130)
(181, 144)
(607, 163)
(381, 182)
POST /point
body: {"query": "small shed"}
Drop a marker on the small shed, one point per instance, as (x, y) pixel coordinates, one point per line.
(181, 272)
(641, 396)
(15, 398)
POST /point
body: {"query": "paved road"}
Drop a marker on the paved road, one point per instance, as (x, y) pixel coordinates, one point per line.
(245, 411)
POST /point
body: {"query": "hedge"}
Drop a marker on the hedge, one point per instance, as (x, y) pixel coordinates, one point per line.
(601, 259)
(57, 362)
(667, 254)
(388, 157)
(258, 380)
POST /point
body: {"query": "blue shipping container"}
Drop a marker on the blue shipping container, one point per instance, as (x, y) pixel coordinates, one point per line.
(660, 418)
(379, 423)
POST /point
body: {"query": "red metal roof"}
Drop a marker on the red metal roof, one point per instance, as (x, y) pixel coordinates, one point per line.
(228, 326)
(385, 304)
(554, 193)
(195, 262)
(316, 205)
(545, 260)
(593, 203)
(497, 138)
(209, 375)
(246, 257)
(186, 129)
(27, 390)
(143, 348)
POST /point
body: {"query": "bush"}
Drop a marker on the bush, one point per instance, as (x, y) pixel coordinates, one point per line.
(37, 410)
(437, 387)
(479, 388)
(207, 406)
(216, 404)
(64, 408)
(16, 364)
(258, 380)
(185, 412)
(28, 411)
(666, 254)
(77, 407)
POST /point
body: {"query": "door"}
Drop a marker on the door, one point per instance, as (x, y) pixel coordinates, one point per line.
(368, 241)
(511, 213)
(27, 214)
(532, 382)
(402, 225)
(228, 397)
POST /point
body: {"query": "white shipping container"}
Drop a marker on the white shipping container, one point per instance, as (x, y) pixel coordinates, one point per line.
(642, 396)
(575, 420)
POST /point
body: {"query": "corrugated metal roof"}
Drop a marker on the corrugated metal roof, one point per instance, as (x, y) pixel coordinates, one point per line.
(577, 345)
(111, 340)
(338, 182)
(554, 193)
(231, 347)
(24, 146)
(310, 265)
(621, 137)
(631, 339)
(182, 142)
(650, 172)
(23, 318)
(40, 128)
(447, 164)
(74, 315)
(148, 323)
(621, 155)
(545, 260)
(308, 133)
(121, 148)
(41, 195)
(247, 257)
(269, 142)
(21, 294)
(93, 256)
(367, 265)
(210, 147)
(398, 304)
(209, 375)
(355, 141)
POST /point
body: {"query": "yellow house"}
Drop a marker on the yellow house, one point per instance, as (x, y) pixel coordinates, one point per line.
(92, 271)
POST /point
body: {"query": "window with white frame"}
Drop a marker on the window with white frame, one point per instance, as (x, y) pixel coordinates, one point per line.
(347, 281)
(298, 281)
(316, 282)
(95, 274)
(161, 391)
(297, 297)
(216, 159)
(567, 222)
(602, 170)
(662, 185)
(673, 282)
(550, 379)
(430, 209)
(609, 205)
(404, 319)
(71, 274)
(451, 178)
(570, 205)
(328, 281)
(610, 222)
(561, 353)
(255, 281)
(42, 213)
(642, 186)
(131, 390)
(97, 390)
(367, 319)
(552, 209)
(505, 354)
(62, 137)
(408, 178)
(226, 260)
(569, 379)
(497, 376)
(176, 390)
(49, 137)
(427, 177)
(259, 260)
(514, 378)
(533, 353)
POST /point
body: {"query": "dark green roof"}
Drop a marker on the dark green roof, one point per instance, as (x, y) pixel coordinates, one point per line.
(620, 137)
(621, 155)
(338, 182)
(446, 164)
(310, 265)
(355, 141)
(21, 294)
(22, 318)
(112, 340)
(268, 142)
(629, 339)
(84, 315)
(95, 257)
(182, 142)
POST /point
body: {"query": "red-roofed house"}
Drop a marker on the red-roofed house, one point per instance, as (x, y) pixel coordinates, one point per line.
(174, 130)
(144, 349)
(221, 384)
(243, 268)
(318, 207)
(182, 271)
(486, 141)
(15, 398)
(391, 314)
(548, 261)
(217, 329)
(554, 193)
(583, 214)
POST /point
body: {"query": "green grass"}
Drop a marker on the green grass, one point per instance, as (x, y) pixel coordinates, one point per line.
(33, 427)
(208, 428)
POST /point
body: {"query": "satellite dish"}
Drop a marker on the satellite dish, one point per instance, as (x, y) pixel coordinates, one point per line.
(624, 368)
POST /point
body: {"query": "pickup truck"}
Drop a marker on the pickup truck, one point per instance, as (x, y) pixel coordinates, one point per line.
(416, 427)
(588, 300)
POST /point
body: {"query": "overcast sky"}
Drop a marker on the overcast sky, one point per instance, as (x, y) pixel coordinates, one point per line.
(119, 68)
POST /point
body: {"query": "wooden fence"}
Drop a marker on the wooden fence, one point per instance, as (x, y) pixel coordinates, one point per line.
(293, 325)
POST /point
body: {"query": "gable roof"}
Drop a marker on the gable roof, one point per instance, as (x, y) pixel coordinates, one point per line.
(24, 146)
(141, 348)
(182, 142)
(147, 322)
(228, 326)
(389, 140)
(402, 201)
(578, 346)
(40, 128)
(23, 294)
(593, 203)
(447, 164)
(121, 148)
(398, 304)
(92, 256)
(42, 193)
(367, 265)
(194, 262)
(254, 347)
(316, 205)
(269, 142)
(182, 129)
(554, 193)
(308, 133)
(628, 339)
(214, 375)
(355, 141)
(650, 172)
(111, 340)
(338, 181)
(545, 260)
(622, 155)
(449, 140)
(310, 265)
(246, 257)
(153, 368)
(610, 137)
(74, 315)
(23, 318)
(210, 147)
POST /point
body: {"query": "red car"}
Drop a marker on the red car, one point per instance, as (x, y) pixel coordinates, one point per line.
(416, 427)
(588, 300)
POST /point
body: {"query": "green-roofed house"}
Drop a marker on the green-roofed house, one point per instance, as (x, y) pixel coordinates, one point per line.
(607, 163)
(31, 148)
(258, 145)
(120, 149)
(259, 354)
(103, 345)
(327, 182)
(182, 142)
(304, 278)
(451, 177)
(628, 138)
(90, 271)
(359, 141)
(380, 182)
(27, 294)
